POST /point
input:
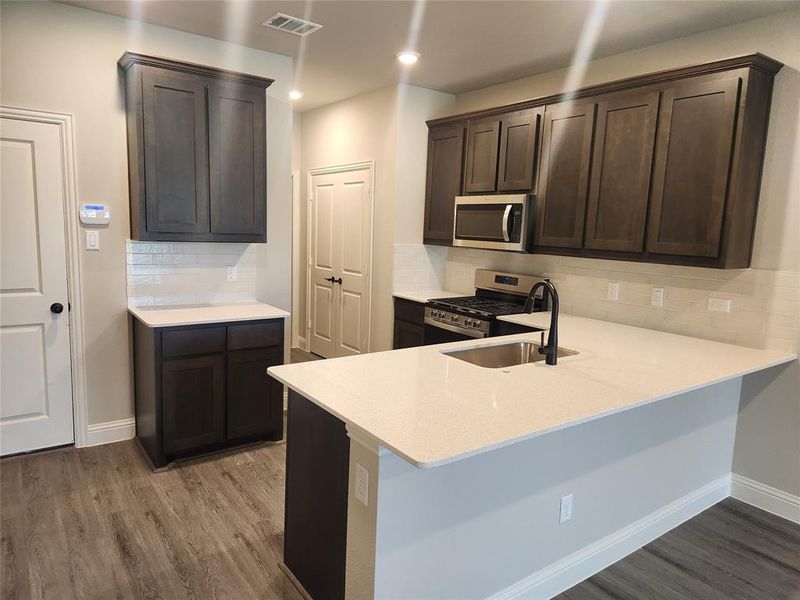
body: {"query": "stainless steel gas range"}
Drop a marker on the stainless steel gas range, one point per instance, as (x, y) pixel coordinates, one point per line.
(469, 317)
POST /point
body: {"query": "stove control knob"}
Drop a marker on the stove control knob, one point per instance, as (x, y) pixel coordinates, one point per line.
(454, 317)
(476, 323)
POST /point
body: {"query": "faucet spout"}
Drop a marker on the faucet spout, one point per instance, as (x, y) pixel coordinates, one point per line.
(551, 349)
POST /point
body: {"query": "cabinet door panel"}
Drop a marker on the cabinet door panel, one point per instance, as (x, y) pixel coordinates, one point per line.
(175, 152)
(690, 177)
(193, 402)
(517, 150)
(482, 147)
(255, 400)
(564, 175)
(237, 146)
(443, 184)
(621, 167)
(408, 335)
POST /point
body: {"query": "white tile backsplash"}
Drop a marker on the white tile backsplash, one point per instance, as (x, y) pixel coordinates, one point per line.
(418, 267)
(765, 305)
(164, 273)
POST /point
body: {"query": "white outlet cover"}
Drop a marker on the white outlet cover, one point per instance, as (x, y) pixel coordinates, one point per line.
(565, 511)
(231, 273)
(362, 484)
(613, 290)
(719, 305)
(657, 296)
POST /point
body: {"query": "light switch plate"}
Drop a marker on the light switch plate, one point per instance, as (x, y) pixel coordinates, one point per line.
(231, 273)
(92, 239)
(613, 290)
(362, 484)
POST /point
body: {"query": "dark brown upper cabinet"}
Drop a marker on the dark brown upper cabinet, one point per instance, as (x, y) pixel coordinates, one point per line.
(621, 166)
(443, 182)
(237, 147)
(174, 114)
(564, 174)
(518, 135)
(196, 151)
(663, 167)
(483, 143)
(693, 154)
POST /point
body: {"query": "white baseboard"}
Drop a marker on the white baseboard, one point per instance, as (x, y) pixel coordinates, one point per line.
(111, 431)
(580, 565)
(766, 498)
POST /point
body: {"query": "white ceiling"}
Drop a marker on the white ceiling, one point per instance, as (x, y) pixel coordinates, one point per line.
(465, 45)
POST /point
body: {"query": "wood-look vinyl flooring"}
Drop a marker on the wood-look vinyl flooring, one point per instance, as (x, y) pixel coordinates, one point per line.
(97, 523)
(732, 551)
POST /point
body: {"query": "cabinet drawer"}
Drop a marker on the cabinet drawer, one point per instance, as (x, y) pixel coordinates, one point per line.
(186, 342)
(255, 335)
(407, 310)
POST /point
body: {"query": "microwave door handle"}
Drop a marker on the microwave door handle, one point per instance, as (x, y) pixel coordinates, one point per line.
(506, 215)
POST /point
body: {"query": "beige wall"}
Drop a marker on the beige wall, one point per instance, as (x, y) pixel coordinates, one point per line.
(354, 130)
(765, 299)
(414, 106)
(388, 127)
(63, 59)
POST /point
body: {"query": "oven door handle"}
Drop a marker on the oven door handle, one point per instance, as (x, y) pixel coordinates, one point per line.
(506, 215)
(473, 333)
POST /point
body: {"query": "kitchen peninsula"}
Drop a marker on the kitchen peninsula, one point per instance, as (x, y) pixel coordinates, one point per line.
(411, 473)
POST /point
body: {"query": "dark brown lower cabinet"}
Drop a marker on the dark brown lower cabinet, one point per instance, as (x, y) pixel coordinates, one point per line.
(315, 518)
(203, 388)
(248, 413)
(192, 402)
(409, 329)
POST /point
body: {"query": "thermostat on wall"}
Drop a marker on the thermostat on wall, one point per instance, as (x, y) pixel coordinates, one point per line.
(95, 214)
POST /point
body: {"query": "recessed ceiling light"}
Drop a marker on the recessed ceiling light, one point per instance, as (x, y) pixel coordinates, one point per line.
(295, 94)
(408, 57)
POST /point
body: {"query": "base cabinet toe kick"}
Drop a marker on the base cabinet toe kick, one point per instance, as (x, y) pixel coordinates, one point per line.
(488, 525)
(204, 388)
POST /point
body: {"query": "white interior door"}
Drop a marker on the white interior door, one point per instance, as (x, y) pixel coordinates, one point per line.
(341, 240)
(35, 373)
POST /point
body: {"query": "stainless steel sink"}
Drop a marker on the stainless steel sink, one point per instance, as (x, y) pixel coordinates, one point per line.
(504, 355)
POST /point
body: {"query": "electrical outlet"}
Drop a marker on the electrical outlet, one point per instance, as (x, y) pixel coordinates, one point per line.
(613, 290)
(565, 514)
(362, 484)
(231, 273)
(719, 305)
(657, 296)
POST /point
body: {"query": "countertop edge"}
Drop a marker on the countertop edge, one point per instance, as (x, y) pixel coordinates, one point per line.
(430, 464)
(138, 314)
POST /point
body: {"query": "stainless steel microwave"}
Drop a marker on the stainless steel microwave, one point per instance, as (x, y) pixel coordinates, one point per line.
(499, 222)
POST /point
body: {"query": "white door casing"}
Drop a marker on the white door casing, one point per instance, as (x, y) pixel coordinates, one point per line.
(340, 248)
(35, 365)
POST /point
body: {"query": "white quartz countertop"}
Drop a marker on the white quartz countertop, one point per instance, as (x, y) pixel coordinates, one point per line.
(425, 295)
(433, 409)
(198, 314)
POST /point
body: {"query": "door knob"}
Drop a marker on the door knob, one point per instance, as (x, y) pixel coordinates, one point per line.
(331, 279)
(339, 281)
(56, 307)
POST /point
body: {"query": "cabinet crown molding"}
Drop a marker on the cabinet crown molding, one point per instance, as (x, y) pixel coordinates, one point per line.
(755, 61)
(129, 59)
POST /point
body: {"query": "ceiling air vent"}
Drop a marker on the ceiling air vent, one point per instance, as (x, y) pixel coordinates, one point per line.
(293, 25)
